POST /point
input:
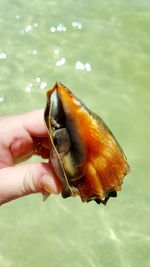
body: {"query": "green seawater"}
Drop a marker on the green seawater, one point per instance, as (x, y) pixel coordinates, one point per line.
(101, 51)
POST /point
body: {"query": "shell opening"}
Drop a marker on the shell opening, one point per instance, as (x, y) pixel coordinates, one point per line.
(66, 139)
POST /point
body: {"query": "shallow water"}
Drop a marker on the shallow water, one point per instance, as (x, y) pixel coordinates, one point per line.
(100, 50)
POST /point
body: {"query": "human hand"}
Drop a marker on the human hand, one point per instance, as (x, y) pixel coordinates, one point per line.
(20, 136)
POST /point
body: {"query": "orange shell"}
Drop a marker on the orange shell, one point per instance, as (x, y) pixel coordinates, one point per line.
(106, 164)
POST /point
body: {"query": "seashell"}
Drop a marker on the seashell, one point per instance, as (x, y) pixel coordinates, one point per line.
(85, 155)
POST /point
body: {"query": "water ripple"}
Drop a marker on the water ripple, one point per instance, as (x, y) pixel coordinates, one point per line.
(28, 88)
(61, 62)
(43, 85)
(1, 99)
(58, 28)
(76, 25)
(3, 55)
(80, 66)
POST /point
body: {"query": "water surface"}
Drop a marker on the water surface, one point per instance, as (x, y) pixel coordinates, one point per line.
(100, 50)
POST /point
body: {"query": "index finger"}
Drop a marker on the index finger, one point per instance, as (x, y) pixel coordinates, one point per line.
(34, 123)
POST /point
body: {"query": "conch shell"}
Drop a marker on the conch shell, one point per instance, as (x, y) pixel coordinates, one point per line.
(84, 154)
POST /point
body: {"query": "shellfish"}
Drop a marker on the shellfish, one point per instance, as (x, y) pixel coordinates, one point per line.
(85, 155)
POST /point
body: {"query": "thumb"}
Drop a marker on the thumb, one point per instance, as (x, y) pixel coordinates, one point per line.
(24, 179)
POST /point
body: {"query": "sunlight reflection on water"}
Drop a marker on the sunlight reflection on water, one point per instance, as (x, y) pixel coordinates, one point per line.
(100, 50)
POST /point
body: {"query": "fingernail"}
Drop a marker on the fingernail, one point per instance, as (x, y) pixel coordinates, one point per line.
(49, 184)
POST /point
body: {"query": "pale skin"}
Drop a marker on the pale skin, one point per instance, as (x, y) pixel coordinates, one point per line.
(20, 136)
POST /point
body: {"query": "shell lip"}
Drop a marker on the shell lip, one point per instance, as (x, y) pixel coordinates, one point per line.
(55, 106)
(66, 191)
